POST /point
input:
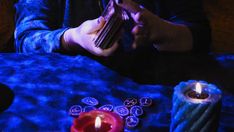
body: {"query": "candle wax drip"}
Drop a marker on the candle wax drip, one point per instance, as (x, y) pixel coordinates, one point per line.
(196, 95)
(105, 127)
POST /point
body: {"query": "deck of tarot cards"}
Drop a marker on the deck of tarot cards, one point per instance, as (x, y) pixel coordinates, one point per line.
(114, 17)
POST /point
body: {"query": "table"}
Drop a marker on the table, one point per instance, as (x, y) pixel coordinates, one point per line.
(47, 85)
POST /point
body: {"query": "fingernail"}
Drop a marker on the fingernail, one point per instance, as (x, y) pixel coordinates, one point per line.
(141, 7)
(99, 20)
(119, 1)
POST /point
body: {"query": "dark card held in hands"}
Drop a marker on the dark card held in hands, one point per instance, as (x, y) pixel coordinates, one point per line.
(114, 17)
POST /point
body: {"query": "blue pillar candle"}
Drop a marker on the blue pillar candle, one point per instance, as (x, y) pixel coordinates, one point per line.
(196, 107)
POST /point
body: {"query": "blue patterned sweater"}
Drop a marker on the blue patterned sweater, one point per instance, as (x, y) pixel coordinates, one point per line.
(40, 23)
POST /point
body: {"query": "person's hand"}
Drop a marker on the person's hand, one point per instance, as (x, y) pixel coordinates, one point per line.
(150, 29)
(84, 36)
(147, 25)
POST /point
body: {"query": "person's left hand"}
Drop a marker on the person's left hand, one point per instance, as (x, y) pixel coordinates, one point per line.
(147, 25)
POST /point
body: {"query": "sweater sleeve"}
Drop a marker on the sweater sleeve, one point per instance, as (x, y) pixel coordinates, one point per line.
(191, 14)
(38, 26)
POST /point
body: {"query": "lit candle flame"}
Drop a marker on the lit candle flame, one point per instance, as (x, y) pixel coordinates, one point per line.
(198, 88)
(98, 123)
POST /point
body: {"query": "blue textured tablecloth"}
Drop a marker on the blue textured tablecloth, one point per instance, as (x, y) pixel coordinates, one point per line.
(46, 86)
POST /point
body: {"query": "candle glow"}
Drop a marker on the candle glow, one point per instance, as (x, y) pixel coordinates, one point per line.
(98, 123)
(198, 88)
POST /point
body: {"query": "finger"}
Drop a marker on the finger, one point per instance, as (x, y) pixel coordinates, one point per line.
(129, 5)
(92, 26)
(109, 51)
(138, 30)
(138, 17)
(139, 40)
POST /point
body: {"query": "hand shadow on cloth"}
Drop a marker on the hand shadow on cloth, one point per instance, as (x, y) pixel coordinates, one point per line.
(149, 67)
(6, 97)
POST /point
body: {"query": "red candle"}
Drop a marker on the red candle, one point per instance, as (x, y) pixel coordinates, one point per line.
(98, 121)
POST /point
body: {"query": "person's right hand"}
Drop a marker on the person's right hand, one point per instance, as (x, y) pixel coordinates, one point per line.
(84, 36)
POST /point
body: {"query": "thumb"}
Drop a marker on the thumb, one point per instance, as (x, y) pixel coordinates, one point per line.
(92, 26)
(129, 5)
